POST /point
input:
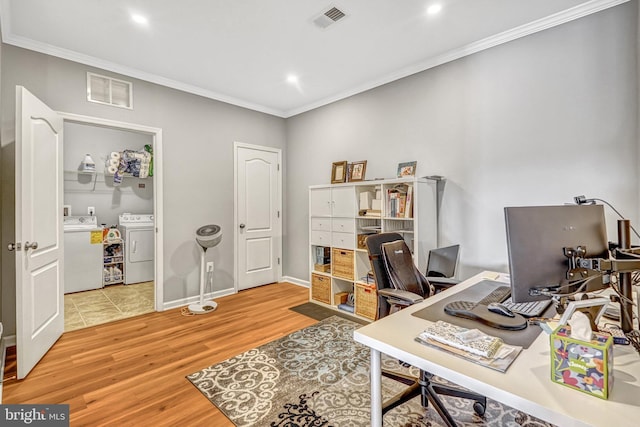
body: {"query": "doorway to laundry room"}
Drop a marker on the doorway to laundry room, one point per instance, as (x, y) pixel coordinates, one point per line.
(109, 224)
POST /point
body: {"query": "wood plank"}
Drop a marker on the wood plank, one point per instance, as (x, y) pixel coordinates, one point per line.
(132, 371)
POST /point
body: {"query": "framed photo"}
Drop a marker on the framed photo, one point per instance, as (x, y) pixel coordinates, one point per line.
(406, 169)
(357, 171)
(339, 172)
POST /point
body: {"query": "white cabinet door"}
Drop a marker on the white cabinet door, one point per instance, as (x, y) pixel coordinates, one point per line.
(344, 202)
(343, 240)
(320, 204)
(321, 224)
(321, 238)
(344, 225)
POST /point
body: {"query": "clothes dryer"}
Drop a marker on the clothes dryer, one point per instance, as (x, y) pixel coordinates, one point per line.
(138, 232)
(82, 253)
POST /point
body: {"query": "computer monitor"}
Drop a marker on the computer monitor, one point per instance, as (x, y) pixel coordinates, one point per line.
(442, 262)
(536, 236)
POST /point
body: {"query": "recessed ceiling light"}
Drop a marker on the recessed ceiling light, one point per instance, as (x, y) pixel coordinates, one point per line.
(139, 19)
(292, 78)
(434, 8)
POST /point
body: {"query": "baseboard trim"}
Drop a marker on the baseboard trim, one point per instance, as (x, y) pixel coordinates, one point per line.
(295, 281)
(5, 342)
(190, 300)
(3, 351)
(213, 295)
(9, 341)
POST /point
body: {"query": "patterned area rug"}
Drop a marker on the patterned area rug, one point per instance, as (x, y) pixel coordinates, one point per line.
(319, 376)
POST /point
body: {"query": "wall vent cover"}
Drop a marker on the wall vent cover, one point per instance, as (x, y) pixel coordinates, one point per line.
(109, 91)
(328, 17)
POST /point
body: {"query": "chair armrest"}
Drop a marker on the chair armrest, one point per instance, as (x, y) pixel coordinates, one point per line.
(443, 280)
(400, 295)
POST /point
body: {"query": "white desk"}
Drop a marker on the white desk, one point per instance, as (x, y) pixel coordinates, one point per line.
(526, 385)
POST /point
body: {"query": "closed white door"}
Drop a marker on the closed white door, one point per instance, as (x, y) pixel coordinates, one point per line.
(258, 217)
(39, 260)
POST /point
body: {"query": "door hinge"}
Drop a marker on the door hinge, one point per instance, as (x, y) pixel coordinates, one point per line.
(278, 261)
(278, 214)
(14, 246)
(278, 166)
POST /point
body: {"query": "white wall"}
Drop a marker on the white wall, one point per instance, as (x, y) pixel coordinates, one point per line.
(198, 136)
(534, 121)
(133, 195)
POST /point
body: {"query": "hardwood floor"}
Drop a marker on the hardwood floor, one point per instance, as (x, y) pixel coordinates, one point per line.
(132, 372)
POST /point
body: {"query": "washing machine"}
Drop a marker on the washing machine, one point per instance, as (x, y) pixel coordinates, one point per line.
(82, 254)
(138, 232)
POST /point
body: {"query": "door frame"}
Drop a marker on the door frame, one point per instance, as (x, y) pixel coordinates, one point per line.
(236, 223)
(158, 203)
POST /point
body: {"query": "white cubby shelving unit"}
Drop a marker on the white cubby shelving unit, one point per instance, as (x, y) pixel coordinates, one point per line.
(338, 260)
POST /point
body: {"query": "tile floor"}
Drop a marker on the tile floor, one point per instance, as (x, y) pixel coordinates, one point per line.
(114, 302)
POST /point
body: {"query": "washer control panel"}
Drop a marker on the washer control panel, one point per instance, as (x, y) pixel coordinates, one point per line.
(128, 218)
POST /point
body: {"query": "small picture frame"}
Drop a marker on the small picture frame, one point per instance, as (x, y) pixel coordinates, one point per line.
(406, 169)
(358, 171)
(339, 172)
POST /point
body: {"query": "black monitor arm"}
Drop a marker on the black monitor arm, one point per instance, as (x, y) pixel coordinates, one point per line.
(580, 267)
(617, 270)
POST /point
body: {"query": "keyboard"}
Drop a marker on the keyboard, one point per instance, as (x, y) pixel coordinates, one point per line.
(499, 294)
(502, 295)
(527, 309)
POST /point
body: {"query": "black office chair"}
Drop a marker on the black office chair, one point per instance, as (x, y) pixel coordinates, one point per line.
(441, 267)
(399, 284)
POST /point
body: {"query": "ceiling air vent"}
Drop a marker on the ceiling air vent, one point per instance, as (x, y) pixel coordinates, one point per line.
(106, 90)
(328, 17)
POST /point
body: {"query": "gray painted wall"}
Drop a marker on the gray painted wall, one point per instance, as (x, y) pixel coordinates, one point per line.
(198, 137)
(2, 195)
(534, 121)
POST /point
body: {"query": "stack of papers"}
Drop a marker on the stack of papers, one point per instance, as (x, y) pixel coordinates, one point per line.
(470, 340)
(469, 344)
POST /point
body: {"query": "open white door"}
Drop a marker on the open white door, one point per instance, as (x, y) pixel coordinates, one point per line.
(39, 234)
(259, 232)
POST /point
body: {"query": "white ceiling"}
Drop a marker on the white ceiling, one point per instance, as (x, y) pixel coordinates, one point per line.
(241, 51)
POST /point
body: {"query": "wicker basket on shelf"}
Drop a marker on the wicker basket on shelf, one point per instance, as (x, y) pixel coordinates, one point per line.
(321, 288)
(366, 301)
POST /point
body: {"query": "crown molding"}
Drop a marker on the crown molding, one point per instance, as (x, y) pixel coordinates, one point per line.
(135, 73)
(550, 21)
(9, 38)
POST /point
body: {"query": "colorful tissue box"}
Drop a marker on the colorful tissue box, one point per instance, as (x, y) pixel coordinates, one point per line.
(582, 365)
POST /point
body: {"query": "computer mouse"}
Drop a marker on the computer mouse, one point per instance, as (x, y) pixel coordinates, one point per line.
(496, 307)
